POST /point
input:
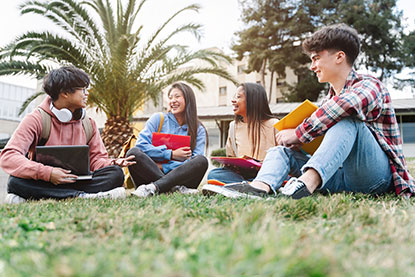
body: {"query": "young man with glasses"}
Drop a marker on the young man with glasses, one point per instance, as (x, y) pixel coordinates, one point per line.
(66, 88)
(362, 147)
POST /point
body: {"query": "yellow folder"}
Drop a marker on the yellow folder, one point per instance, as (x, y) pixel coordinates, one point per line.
(295, 118)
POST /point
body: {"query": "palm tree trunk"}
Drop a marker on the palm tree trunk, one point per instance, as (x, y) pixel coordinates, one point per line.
(270, 87)
(116, 131)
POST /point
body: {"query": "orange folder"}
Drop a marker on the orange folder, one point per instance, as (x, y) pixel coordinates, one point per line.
(171, 141)
(295, 118)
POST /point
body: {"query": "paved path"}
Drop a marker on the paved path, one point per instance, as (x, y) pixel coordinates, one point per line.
(3, 185)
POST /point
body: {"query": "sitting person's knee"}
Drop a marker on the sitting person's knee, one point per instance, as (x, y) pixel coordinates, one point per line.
(117, 175)
(135, 151)
(202, 161)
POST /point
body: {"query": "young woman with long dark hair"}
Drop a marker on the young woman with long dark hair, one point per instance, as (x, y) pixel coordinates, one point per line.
(251, 133)
(160, 170)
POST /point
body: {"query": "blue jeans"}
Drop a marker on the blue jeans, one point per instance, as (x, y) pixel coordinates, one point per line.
(227, 175)
(348, 159)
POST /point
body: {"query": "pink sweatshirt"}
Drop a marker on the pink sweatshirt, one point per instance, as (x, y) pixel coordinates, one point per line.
(26, 137)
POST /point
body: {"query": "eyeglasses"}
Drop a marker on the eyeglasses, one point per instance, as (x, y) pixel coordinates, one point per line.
(84, 90)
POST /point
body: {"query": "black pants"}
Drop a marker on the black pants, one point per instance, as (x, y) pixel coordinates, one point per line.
(146, 171)
(103, 179)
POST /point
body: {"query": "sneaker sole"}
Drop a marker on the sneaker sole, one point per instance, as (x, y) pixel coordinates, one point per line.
(14, 199)
(209, 190)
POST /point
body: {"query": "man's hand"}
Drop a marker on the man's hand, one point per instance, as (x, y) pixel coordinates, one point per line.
(123, 162)
(181, 154)
(62, 176)
(287, 138)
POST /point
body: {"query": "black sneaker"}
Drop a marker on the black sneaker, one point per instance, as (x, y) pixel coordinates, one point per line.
(295, 189)
(235, 190)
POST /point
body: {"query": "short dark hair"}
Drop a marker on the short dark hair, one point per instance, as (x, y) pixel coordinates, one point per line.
(339, 37)
(64, 79)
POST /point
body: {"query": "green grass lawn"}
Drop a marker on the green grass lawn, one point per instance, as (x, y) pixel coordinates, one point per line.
(176, 235)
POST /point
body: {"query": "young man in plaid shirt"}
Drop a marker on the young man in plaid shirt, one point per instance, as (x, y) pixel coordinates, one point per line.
(362, 147)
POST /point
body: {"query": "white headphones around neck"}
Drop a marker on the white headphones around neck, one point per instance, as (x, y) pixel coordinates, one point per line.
(65, 115)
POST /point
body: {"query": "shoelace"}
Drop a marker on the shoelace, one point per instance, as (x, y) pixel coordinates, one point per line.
(148, 190)
(290, 188)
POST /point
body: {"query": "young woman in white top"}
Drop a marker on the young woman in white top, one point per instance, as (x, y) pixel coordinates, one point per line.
(251, 133)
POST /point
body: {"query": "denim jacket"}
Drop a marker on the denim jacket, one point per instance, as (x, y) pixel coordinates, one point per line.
(170, 126)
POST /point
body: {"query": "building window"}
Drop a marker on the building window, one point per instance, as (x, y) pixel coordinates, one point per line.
(12, 98)
(407, 125)
(222, 91)
(240, 69)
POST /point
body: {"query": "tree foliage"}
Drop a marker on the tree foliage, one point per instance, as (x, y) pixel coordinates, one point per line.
(125, 69)
(276, 28)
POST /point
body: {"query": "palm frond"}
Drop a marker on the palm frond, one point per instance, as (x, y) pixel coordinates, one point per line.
(48, 46)
(134, 16)
(29, 100)
(193, 7)
(73, 19)
(23, 68)
(192, 28)
(123, 72)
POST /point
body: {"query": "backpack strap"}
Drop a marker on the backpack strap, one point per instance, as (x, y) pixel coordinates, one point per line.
(161, 122)
(46, 122)
(233, 137)
(89, 131)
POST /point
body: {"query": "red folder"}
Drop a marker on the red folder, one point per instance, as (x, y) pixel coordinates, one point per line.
(238, 162)
(171, 141)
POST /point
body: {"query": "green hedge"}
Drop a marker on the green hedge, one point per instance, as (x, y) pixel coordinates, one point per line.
(221, 152)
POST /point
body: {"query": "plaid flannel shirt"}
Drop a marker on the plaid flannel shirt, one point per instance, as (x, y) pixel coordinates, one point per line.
(367, 99)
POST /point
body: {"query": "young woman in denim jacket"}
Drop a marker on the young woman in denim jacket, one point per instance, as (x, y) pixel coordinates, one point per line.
(160, 170)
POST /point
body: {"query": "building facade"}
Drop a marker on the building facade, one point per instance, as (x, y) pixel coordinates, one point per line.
(12, 98)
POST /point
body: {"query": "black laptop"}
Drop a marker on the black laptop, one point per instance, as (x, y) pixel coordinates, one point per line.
(72, 157)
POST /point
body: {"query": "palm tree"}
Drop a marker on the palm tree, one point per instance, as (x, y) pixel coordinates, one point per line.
(125, 71)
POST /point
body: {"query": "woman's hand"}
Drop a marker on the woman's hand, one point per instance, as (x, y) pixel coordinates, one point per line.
(124, 161)
(181, 154)
(62, 176)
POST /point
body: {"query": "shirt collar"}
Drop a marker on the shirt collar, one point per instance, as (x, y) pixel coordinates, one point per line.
(173, 119)
(351, 78)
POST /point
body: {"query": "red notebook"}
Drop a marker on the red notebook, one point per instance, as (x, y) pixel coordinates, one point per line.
(171, 141)
(239, 162)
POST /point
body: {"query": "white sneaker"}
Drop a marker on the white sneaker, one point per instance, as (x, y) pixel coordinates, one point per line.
(296, 189)
(145, 190)
(12, 198)
(184, 190)
(117, 193)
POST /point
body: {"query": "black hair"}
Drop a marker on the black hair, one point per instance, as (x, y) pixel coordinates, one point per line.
(64, 79)
(257, 111)
(191, 118)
